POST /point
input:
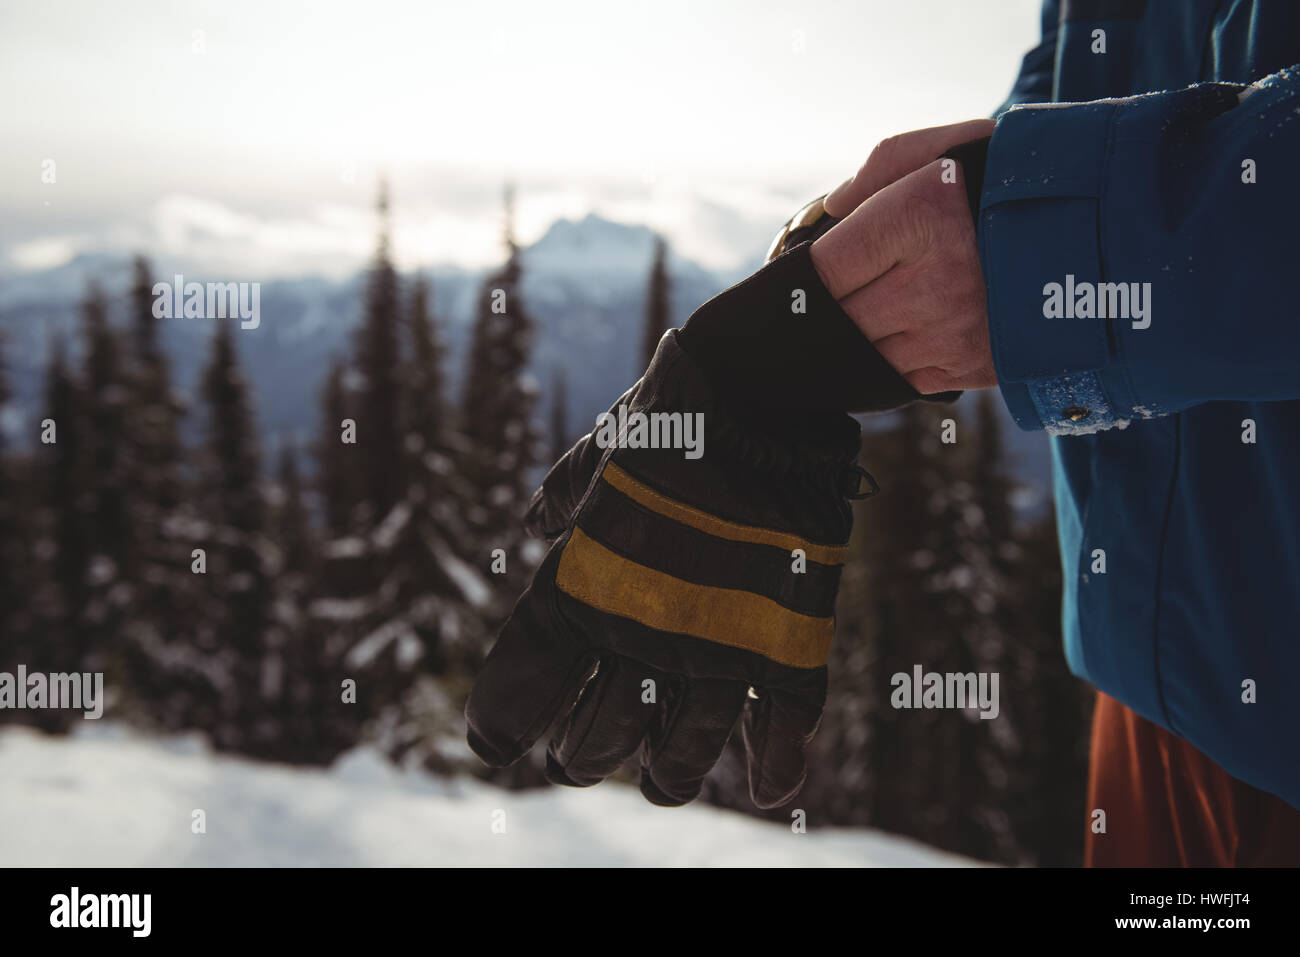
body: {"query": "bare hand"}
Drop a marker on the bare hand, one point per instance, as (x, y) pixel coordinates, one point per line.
(904, 263)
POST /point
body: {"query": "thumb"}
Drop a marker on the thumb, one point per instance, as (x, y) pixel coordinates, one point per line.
(552, 505)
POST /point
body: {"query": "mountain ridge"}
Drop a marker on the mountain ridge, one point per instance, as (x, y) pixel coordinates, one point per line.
(585, 283)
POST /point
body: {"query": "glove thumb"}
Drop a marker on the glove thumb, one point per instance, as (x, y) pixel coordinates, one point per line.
(553, 504)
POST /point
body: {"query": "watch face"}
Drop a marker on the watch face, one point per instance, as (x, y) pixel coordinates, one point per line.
(809, 223)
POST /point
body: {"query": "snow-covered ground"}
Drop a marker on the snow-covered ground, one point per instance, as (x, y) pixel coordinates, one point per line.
(108, 797)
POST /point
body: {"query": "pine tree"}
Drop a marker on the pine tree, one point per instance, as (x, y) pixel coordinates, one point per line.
(113, 540)
(160, 619)
(293, 528)
(1040, 753)
(899, 619)
(941, 573)
(992, 484)
(155, 411)
(8, 518)
(237, 577)
(232, 439)
(380, 428)
(658, 303)
(436, 448)
(980, 594)
(309, 724)
(910, 594)
(840, 784)
(340, 604)
(338, 477)
(946, 596)
(65, 509)
(427, 409)
(401, 604)
(363, 482)
(1048, 757)
(68, 497)
(15, 567)
(498, 402)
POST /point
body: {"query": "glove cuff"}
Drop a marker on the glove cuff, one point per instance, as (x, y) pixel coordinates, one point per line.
(779, 341)
(973, 157)
(809, 449)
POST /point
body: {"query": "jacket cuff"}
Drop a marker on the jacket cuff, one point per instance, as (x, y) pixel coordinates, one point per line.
(1038, 225)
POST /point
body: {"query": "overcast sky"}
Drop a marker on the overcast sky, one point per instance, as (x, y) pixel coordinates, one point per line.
(251, 133)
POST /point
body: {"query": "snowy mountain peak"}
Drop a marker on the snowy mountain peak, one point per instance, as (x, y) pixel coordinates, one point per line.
(592, 243)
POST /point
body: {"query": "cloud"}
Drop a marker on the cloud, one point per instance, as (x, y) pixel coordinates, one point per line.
(257, 150)
(44, 253)
(721, 227)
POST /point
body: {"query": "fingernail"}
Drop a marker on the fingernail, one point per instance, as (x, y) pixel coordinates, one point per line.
(833, 196)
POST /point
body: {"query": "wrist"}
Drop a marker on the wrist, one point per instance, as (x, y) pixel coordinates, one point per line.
(779, 340)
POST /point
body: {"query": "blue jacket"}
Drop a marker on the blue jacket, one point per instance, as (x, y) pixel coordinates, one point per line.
(1154, 162)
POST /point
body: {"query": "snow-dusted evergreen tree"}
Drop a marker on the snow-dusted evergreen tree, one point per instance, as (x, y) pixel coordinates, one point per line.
(113, 539)
(238, 576)
(1046, 762)
(16, 579)
(9, 533)
(401, 592)
(154, 411)
(312, 724)
(436, 602)
(380, 429)
(498, 465)
(338, 476)
(497, 410)
(294, 534)
(1034, 757)
(363, 481)
(929, 605)
(941, 574)
(64, 500)
(427, 408)
(909, 596)
(160, 664)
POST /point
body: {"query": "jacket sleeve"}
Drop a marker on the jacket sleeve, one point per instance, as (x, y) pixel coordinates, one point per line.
(1140, 253)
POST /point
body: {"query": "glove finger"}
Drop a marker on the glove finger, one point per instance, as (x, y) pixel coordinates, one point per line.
(698, 721)
(533, 673)
(552, 505)
(607, 725)
(778, 726)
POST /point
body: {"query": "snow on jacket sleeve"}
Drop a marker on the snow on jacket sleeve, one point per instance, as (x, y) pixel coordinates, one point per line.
(1140, 253)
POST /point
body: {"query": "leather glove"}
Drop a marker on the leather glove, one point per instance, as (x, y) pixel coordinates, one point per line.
(678, 584)
(762, 354)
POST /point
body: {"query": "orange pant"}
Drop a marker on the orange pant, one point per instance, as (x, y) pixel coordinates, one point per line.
(1167, 804)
